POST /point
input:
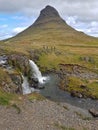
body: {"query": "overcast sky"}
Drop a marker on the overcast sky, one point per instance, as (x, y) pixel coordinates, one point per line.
(16, 15)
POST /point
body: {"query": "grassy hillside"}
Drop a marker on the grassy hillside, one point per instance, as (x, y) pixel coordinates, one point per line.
(70, 46)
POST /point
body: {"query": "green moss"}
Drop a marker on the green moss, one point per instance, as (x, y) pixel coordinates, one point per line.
(4, 101)
(82, 116)
(93, 88)
(6, 98)
(35, 96)
(3, 76)
(17, 108)
(79, 86)
(61, 127)
(74, 83)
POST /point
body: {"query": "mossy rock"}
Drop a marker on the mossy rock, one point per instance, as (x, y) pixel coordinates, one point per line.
(20, 62)
(6, 82)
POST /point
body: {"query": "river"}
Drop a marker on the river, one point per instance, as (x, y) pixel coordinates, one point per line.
(52, 92)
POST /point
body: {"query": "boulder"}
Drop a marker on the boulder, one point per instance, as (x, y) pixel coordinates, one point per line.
(19, 62)
(93, 112)
(17, 80)
(34, 82)
(76, 94)
(41, 87)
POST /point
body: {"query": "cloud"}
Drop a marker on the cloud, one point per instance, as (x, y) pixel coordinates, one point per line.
(90, 28)
(4, 35)
(84, 9)
(18, 30)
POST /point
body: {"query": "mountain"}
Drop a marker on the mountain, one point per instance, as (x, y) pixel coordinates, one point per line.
(50, 27)
(48, 20)
(49, 14)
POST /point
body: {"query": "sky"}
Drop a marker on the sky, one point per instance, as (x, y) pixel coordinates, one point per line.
(17, 15)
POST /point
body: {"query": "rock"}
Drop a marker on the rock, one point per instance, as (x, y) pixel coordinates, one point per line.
(93, 112)
(34, 82)
(41, 87)
(20, 62)
(17, 80)
(48, 14)
(76, 94)
(77, 71)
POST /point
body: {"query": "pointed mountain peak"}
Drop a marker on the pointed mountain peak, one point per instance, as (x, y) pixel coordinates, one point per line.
(49, 11)
(48, 14)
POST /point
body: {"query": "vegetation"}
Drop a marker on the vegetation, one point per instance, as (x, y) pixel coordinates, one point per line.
(61, 127)
(35, 96)
(77, 86)
(7, 99)
(17, 108)
(83, 117)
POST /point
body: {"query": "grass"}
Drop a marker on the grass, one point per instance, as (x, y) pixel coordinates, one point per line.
(82, 117)
(75, 83)
(52, 59)
(17, 108)
(93, 88)
(7, 99)
(35, 96)
(61, 127)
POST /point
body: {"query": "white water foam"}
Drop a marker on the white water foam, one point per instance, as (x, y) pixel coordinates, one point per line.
(2, 60)
(25, 86)
(36, 73)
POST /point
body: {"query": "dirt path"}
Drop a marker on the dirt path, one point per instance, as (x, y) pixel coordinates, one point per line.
(45, 115)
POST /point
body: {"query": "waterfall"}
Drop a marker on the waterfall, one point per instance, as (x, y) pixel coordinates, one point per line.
(36, 72)
(25, 86)
(3, 60)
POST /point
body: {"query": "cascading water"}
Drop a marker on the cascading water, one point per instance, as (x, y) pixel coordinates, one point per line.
(3, 60)
(36, 72)
(25, 86)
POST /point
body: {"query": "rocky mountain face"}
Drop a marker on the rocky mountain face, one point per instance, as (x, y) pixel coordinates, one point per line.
(48, 14)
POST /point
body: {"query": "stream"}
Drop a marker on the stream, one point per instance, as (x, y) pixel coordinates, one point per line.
(52, 92)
